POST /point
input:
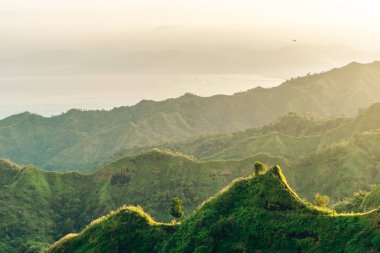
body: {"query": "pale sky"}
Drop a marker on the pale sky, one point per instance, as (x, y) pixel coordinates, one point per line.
(45, 43)
(350, 22)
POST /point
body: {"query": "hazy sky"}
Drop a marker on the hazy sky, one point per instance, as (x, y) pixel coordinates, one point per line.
(349, 22)
(54, 43)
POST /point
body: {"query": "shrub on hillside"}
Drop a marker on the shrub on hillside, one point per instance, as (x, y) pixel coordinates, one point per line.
(321, 200)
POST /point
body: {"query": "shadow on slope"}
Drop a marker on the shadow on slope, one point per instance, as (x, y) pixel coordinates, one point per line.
(255, 214)
(38, 207)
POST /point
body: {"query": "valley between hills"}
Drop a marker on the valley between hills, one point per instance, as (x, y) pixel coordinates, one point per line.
(59, 175)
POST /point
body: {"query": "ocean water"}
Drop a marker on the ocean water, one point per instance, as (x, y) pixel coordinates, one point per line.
(52, 95)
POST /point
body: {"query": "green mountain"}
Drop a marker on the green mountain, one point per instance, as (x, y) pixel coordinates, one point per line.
(291, 136)
(255, 214)
(337, 157)
(38, 207)
(372, 199)
(361, 201)
(84, 139)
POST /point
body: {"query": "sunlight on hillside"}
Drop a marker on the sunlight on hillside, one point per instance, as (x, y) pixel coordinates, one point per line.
(189, 126)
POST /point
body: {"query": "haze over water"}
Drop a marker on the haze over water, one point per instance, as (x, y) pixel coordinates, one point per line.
(56, 55)
(52, 95)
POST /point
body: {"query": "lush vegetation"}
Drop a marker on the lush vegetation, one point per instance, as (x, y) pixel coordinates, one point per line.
(108, 233)
(84, 139)
(332, 162)
(361, 201)
(255, 214)
(38, 207)
(337, 158)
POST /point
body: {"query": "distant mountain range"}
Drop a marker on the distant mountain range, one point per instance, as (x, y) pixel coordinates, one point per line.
(337, 157)
(80, 140)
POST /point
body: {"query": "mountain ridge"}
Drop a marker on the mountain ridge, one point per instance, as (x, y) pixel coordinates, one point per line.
(254, 213)
(308, 147)
(82, 139)
(67, 201)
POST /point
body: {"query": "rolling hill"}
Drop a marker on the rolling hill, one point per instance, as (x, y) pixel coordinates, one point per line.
(68, 201)
(37, 207)
(83, 139)
(361, 201)
(337, 157)
(255, 214)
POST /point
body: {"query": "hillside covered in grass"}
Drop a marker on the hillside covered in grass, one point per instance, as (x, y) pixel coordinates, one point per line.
(84, 139)
(361, 201)
(256, 214)
(38, 207)
(293, 135)
(337, 157)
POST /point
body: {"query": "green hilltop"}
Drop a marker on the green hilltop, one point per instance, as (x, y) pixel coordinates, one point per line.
(255, 214)
(38, 207)
(85, 139)
(337, 157)
(191, 147)
(361, 201)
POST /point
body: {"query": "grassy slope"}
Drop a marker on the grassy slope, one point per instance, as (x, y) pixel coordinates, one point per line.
(144, 234)
(361, 201)
(310, 133)
(39, 206)
(371, 200)
(69, 201)
(36, 206)
(291, 136)
(346, 160)
(341, 169)
(335, 157)
(83, 139)
(256, 214)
